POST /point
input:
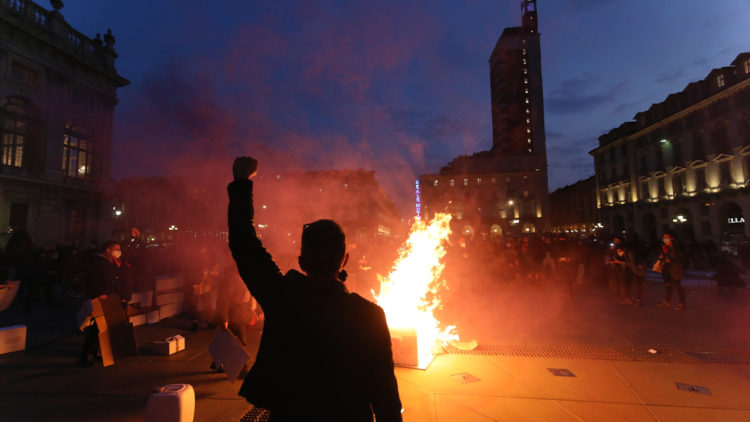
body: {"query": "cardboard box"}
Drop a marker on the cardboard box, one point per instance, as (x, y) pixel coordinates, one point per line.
(152, 317)
(107, 312)
(173, 297)
(404, 346)
(168, 283)
(138, 319)
(117, 343)
(171, 309)
(227, 351)
(12, 339)
(142, 299)
(169, 346)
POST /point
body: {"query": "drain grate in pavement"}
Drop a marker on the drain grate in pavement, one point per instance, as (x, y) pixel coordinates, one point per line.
(256, 415)
(543, 351)
(712, 357)
(693, 388)
(600, 353)
(561, 372)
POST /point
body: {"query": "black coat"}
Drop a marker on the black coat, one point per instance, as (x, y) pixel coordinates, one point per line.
(105, 276)
(324, 353)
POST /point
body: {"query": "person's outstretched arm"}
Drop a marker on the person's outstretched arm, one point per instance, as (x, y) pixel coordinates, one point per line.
(254, 263)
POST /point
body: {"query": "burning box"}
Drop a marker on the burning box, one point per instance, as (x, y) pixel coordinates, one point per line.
(12, 339)
(404, 345)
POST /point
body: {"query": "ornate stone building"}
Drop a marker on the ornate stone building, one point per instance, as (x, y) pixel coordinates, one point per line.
(573, 208)
(503, 190)
(683, 163)
(57, 96)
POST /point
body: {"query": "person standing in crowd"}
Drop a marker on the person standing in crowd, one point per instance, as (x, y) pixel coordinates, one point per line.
(672, 260)
(322, 347)
(619, 268)
(106, 274)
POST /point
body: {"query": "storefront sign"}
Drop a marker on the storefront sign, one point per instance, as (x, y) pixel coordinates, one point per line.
(736, 220)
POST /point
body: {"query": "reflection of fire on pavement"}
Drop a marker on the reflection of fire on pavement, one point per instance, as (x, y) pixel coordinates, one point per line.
(411, 292)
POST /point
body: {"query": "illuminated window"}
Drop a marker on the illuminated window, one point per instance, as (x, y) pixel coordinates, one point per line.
(435, 182)
(76, 158)
(528, 130)
(529, 140)
(14, 133)
(452, 182)
(524, 61)
(525, 80)
(494, 180)
(747, 66)
(466, 182)
(528, 111)
(525, 71)
(527, 101)
(479, 181)
(720, 81)
(523, 51)
(528, 120)
(526, 91)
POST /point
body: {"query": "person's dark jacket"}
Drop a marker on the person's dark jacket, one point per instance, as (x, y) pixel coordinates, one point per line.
(324, 353)
(674, 261)
(105, 275)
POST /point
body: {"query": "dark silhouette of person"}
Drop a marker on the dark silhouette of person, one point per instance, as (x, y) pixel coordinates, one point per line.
(325, 353)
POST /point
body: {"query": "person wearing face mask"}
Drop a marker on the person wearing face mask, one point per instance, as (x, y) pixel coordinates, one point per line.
(106, 274)
(672, 271)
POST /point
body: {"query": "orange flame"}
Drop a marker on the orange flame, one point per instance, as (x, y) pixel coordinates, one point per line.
(410, 293)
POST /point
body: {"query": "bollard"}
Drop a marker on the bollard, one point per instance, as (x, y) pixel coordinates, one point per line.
(171, 403)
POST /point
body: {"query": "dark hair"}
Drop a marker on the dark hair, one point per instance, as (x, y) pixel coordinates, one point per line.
(109, 244)
(323, 247)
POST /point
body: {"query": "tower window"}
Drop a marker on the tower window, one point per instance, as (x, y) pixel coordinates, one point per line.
(720, 81)
(747, 66)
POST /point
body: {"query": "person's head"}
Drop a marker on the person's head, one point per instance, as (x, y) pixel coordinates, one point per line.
(323, 252)
(112, 248)
(668, 238)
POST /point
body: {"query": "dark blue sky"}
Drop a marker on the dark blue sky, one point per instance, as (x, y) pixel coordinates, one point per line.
(400, 87)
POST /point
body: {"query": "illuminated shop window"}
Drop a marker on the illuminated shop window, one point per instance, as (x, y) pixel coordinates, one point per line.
(76, 158)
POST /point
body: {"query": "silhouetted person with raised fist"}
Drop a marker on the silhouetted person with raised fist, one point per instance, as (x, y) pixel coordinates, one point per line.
(325, 353)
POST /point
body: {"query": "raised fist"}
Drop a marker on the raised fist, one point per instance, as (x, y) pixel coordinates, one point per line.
(244, 168)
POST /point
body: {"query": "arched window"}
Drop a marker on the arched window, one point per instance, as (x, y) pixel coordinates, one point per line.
(77, 153)
(14, 130)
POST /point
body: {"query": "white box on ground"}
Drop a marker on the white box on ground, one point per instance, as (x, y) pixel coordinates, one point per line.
(138, 319)
(168, 283)
(152, 317)
(171, 403)
(180, 342)
(169, 346)
(12, 338)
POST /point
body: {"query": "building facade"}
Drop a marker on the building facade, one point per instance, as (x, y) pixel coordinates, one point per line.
(503, 190)
(573, 208)
(57, 96)
(682, 165)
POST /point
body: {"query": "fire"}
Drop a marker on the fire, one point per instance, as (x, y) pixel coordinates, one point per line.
(410, 293)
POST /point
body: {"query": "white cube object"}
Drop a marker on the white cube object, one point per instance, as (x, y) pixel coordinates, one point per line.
(12, 339)
(180, 342)
(171, 403)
